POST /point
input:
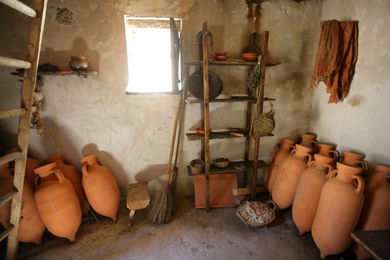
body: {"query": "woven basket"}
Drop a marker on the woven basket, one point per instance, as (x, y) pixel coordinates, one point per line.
(263, 209)
(263, 124)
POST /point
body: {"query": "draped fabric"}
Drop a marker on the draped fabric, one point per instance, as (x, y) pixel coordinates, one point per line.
(336, 57)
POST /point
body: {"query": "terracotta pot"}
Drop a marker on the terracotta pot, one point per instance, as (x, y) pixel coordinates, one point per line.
(327, 150)
(338, 210)
(308, 139)
(286, 183)
(100, 187)
(78, 63)
(352, 159)
(57, 202)
(31, 226)
(282, 150)
(376, 209)
(309, 191)
(6, 184)
(73, 176)
(31, 164)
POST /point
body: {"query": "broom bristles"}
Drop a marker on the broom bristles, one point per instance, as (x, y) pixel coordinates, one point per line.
(161, 211)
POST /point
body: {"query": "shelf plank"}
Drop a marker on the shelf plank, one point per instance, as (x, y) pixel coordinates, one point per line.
(67, 72)
(230, 169)
(216, 135)
(229, 62)
(232, 99)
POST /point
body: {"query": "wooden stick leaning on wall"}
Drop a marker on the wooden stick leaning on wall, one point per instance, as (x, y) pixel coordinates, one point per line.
(206, 118)
(260, 97)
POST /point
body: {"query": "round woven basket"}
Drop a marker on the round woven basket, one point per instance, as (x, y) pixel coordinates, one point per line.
(264, 213)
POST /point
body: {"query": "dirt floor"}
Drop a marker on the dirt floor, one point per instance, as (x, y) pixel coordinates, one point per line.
(192, 234)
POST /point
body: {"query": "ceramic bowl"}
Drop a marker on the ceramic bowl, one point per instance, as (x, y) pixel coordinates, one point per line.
(201, 131)
(221, 162)
(250, 56)
(196, 166)
(220, 53)
(221, 57)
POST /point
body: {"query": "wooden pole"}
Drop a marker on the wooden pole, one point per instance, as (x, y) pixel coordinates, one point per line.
(260, 100)
(206, 115)
(19, 6)
(14, 63)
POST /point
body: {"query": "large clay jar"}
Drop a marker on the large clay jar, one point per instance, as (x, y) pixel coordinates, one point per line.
(327, 150)
(73, 176)
(308, 139)
(100, 187)
(309, 191)
(57, 202)
(282, 150)
(338, 210)
(376, 209)
(31, 164)
(286, 182)
(6, 184)
(352, 159)
(31, 226)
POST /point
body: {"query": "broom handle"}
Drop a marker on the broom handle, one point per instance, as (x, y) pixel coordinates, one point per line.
(174, 136)
(181, 124)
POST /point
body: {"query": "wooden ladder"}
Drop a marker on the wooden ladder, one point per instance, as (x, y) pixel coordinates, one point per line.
(37, 11)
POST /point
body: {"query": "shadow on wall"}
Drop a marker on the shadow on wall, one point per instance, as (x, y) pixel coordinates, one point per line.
(79, 48)
(110, 162)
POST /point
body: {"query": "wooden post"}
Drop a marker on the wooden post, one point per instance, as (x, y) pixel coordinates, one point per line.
(260, 100)
(206, 115)
(34, 48)
(19, 6)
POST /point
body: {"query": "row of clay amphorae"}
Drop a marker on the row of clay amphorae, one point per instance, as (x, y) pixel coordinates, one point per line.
(54, 197)
(327, 200)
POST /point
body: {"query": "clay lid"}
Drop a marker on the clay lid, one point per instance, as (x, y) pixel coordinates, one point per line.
(90, 159)
(45, 170)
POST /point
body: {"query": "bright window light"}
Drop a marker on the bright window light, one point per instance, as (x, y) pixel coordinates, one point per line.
(149, 60)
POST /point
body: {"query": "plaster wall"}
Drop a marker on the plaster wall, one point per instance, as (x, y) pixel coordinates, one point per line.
(131, 133)
(361, 121)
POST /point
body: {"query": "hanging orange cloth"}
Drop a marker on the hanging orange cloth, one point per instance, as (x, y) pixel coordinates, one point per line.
(336, 57)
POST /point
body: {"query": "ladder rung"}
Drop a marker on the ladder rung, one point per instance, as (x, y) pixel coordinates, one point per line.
(10, 157)
(7, 197)
(6, 232)
(12, 113)
(14, 63)
(19, 6)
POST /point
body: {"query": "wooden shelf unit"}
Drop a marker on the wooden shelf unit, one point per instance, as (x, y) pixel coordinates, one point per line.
(67, 72)
(254, 97)
(230, 169)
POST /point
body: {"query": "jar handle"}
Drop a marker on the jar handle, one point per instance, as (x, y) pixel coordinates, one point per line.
(363, 164)
(312, 163)
(329, 167)
(270, 202)
(293, 151)
(360, 184)
(84, 169)
(335, 154)
(309, 159)
(59, 174)
(332, 174)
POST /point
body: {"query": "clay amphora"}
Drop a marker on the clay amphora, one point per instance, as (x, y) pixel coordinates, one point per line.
(100, 187)
(282, 150)
(352, 159)
(338, 210)
(308, 140)
(73, 176)
(57, 202)
(31, 164)
(6, 184)
(327, 150)
(31, 226)
(283, 190)
(376, 209)
(309, 190)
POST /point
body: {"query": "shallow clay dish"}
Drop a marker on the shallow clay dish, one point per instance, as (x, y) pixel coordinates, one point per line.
(221, 57)
(221, 162)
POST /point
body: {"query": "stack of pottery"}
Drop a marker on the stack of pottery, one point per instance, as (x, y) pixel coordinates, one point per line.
(376, 208)
(100, 187)
(338, 211)
(57, 202)
(73, 176)
(282, 150)
(308, 192)
(31, 226)
(286, 182)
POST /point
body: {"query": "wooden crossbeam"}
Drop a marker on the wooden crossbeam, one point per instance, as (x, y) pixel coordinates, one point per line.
(6, 232)
(10, 157)
(20, 7)
(14, 63)
(7, 197)
(12, 113)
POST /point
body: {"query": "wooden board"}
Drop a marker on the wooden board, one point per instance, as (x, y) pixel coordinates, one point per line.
(230, 168)
(137, 196)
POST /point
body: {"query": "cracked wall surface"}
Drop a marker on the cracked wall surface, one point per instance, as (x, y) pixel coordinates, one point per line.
(131, 134)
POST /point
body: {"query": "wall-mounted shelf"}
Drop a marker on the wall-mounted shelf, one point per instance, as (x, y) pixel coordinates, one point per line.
(68, 72)
(231, 99)
(231, 168)
(230, 62)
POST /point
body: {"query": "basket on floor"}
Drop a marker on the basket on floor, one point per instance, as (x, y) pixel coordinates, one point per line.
(256, 214)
